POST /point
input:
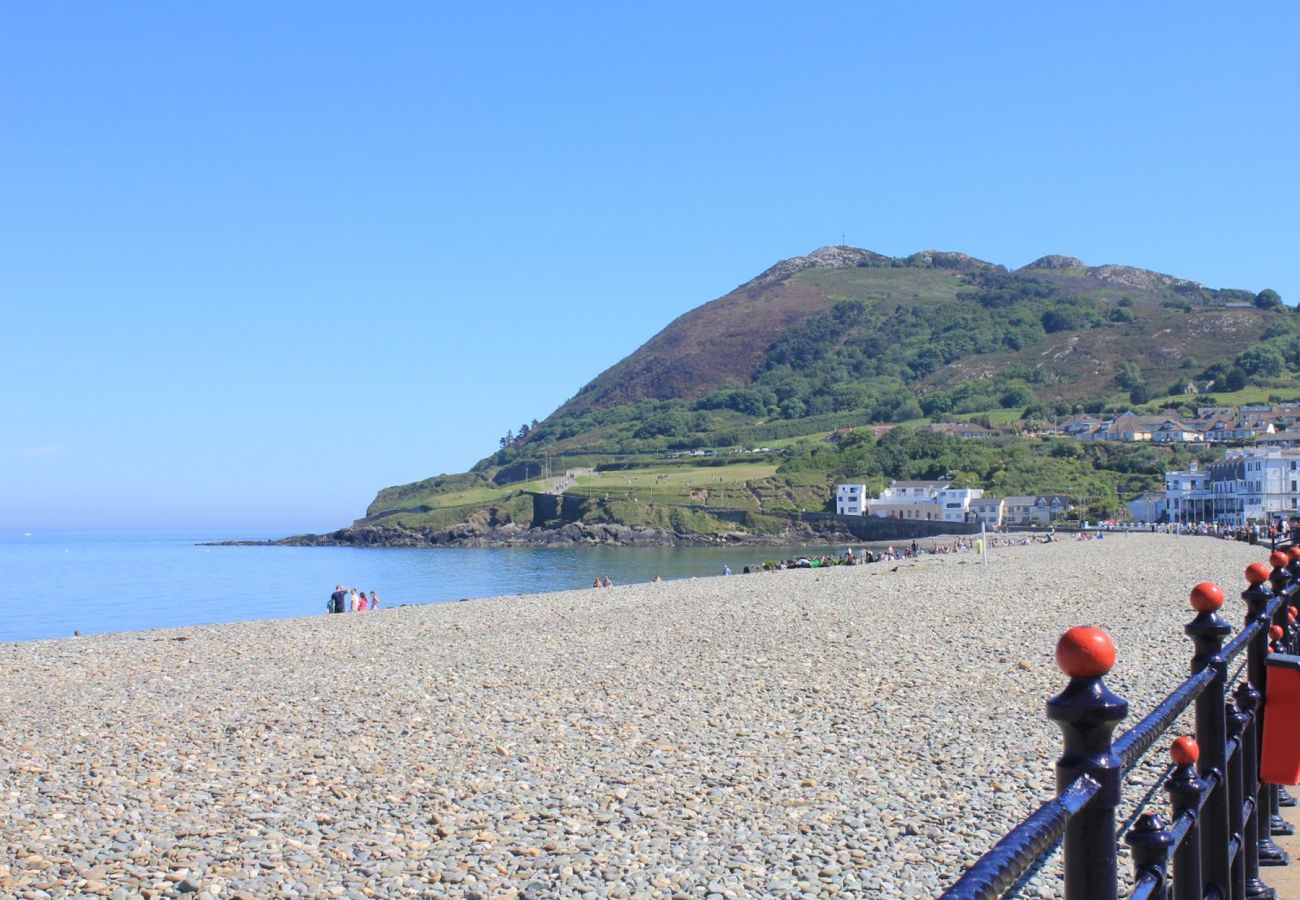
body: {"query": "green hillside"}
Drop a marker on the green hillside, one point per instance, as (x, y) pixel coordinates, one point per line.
(846, 338)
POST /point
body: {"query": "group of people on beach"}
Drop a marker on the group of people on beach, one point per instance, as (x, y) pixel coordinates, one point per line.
(345, 599)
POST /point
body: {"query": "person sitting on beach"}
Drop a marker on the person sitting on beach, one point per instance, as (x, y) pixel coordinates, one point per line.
(607, 582)
(596, 583)
(657, 578)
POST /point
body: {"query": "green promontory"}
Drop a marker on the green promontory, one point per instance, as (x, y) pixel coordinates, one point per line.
(843, 338)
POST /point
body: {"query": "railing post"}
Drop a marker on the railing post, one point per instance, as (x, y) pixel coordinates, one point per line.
(1207, 632)
(1280, 797)
(1185, 789)
(1283, 583)
(1087, 713)
(1237, 722)
(1150, 842)
(1248, 703)
(1257, 597)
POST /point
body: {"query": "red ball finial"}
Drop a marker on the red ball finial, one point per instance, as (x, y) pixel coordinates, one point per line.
(1184, 751)
(1085, 652)
(1294, 553)
(1290, 613)
(1275, 633)
(1279, 558)
(1207, 597)
(1257, 573)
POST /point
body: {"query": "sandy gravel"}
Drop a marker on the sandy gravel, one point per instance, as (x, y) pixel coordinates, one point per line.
(859, 732)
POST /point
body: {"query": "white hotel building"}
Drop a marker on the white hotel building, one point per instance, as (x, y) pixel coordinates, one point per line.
(1256, 485)
(927, 501)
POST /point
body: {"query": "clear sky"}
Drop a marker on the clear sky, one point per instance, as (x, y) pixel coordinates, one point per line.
(259, 260)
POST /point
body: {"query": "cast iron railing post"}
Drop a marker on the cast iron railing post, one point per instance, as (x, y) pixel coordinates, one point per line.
(1185, 789)
(1279, 796)
(1248, 702)
(1284, 585)
(1151, 842)
(1237, 722)
(1087, 713)
(1207, 632)
(1257, 597)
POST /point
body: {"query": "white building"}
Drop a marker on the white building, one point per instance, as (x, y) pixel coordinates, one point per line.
(1188, 496)
(955, 502)
(934, 501)
(987, 511)
(1249, 485)
(849, 499)
(1149, 507)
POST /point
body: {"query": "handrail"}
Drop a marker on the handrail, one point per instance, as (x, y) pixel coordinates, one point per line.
(1134, 743)
(1008, 859)
(1222, 816)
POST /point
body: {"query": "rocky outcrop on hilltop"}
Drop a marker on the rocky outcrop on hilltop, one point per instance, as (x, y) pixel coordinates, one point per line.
(1054, 261)
(1140, 279)
(1128, 277)
(947, 259)
(821, 258)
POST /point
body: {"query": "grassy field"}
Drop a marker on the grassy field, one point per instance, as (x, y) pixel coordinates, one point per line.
(1233, 398)
(726, 485)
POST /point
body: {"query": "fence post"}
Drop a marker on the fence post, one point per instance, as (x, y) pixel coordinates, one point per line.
(1237, 787)
(1257, 597)
(1087, 713)
(1283, 585)
(1207, 632)
(1248, 702)
(1184, 789)
(1280, 797)
(1151, 843)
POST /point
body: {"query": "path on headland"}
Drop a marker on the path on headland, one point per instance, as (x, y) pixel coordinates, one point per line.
(854, 732)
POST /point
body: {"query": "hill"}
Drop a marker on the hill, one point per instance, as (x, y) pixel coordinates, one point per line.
(848, 337)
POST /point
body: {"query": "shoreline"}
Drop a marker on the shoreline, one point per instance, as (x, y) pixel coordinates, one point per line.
(768, 735)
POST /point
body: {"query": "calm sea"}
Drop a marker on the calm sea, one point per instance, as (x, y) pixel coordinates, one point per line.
(59, 582)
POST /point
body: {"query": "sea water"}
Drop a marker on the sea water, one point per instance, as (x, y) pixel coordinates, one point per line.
(57, 583)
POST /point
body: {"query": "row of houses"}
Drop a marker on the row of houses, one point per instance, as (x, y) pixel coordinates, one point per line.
(939, 501)
(1249, 485)
(1261, 425)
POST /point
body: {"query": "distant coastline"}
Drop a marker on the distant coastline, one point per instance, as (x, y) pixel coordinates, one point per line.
(575, 534)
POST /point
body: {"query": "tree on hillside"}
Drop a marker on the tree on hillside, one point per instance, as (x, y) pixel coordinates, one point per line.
(1263, 360)
(1268, 299)
(1128, 377)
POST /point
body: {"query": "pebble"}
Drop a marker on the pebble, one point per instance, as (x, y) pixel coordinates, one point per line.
(867, 733)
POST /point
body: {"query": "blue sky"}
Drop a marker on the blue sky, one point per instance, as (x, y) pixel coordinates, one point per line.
(259, 260)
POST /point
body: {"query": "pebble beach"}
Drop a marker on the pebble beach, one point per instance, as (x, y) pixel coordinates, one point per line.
(847, 732)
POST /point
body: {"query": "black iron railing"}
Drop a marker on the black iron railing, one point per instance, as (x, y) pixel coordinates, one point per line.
(1217, 830)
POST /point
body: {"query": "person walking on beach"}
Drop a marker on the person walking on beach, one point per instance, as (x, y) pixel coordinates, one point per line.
(361, 601)
(337, 599)
(374, 601)
(352, 600)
